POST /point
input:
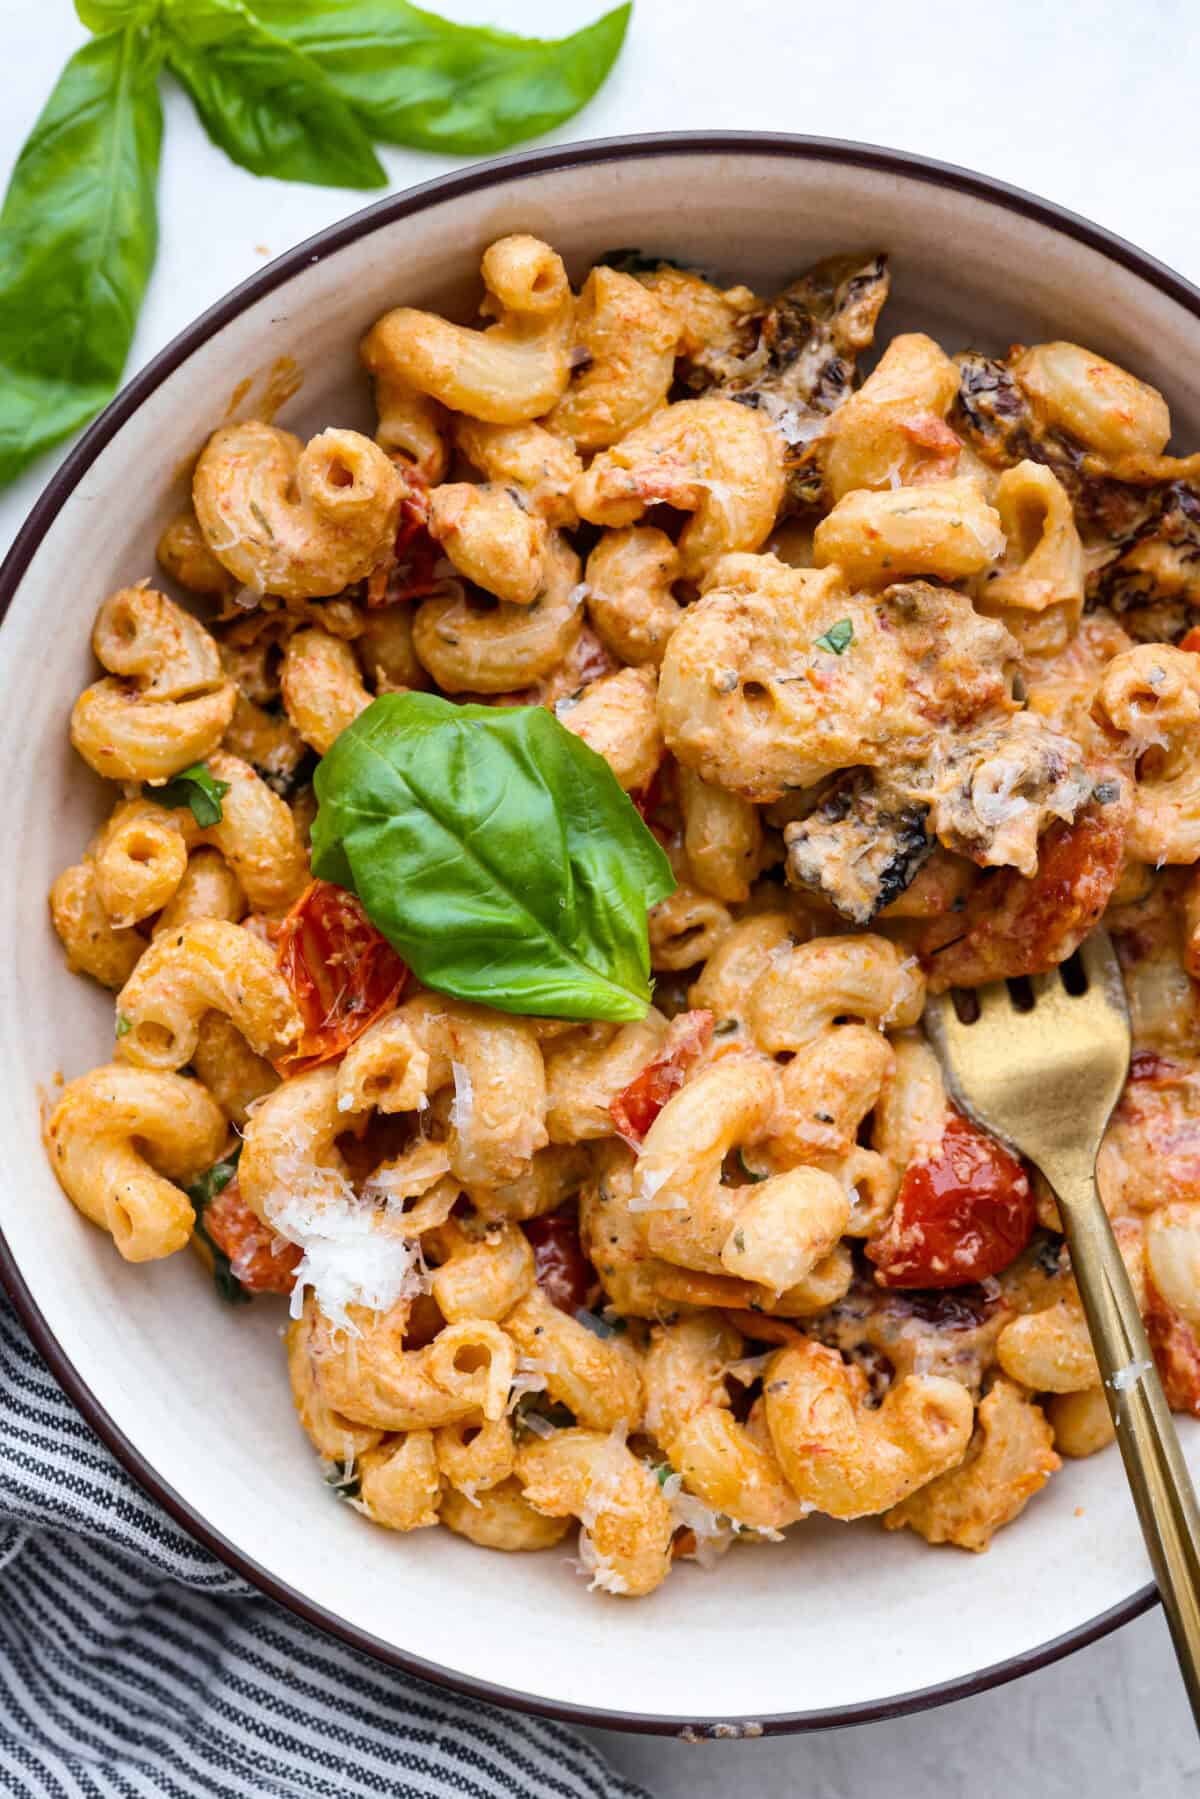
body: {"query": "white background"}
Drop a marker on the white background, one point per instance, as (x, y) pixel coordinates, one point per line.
(1093, 105)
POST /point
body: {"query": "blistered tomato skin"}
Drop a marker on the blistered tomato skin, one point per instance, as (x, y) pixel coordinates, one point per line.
(638, 1105)
(342, 973)
(961, 1216)
(407, 573)
(563, 1271)
(259, 1259)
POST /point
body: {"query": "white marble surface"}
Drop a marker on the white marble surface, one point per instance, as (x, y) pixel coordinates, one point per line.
(1091, 104)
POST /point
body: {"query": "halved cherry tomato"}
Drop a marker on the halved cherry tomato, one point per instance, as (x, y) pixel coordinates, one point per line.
(962, 1215)
(563, 1272)
(407, 574)
(259, 1259)
(342, 973)
(638, 1105)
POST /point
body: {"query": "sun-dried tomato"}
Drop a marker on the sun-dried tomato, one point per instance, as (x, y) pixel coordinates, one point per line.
(563, 1272)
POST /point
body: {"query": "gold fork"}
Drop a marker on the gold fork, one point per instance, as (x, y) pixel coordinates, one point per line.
(1045, 1077)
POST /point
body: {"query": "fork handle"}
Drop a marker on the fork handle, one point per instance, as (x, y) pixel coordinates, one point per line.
(1154, 1465)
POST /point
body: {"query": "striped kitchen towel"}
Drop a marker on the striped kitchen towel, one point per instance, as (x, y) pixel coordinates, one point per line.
(132, 1662)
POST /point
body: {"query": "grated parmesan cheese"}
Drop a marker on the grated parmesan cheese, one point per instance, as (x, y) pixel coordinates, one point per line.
(912, 968)
(604, 1498)
(604, 1575)
(749, 1369)
(537, 1425)
(462, 1105)
(355, 1253)
(712, 1530)
(529, 1377)
(651, 1181)
(604, 1488)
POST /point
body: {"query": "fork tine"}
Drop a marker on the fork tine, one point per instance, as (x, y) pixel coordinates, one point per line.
(1102, 968)
(994, 1001)
(942, 1022)
(946, 1031)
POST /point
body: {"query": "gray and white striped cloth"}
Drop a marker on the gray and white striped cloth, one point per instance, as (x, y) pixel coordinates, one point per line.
(132, 1662)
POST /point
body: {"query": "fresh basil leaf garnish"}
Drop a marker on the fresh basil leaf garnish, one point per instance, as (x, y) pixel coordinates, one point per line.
(195, 787)
(202, 1191)
(496, 852)
(838, 638)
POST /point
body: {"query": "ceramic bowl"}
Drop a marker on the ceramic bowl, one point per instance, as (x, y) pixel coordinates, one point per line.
(842, 1624)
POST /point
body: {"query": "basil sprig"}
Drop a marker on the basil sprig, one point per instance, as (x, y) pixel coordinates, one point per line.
(496, 852)
(296, 89)
(196, 787)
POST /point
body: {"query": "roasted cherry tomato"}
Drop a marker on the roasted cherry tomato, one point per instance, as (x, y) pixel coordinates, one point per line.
(259, 1259)
(342, 973)
(656, 796)
(961, 1216)
(1014, 924)
(1176, 1351)
(564, 1273)
(638, 1105)
(407, 574)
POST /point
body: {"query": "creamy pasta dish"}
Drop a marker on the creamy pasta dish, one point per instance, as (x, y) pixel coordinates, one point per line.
(535, 831)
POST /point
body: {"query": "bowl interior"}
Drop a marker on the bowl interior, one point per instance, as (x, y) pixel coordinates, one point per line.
(839, 1618)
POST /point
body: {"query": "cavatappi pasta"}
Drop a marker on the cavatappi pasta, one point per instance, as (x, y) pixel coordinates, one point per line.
(903, 670)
